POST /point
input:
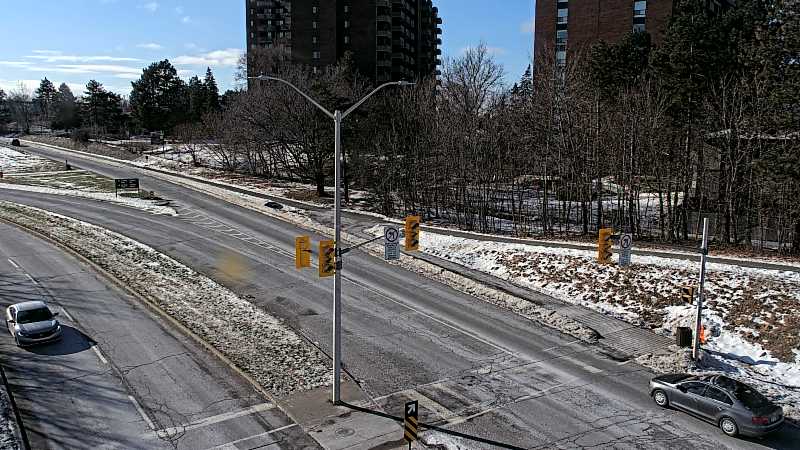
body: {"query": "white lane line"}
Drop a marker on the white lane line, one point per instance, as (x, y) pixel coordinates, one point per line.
(232, 445)
(13, 263)
(142, 413)
(587, 367)
(217, 419)
(99, 354)
(32, 279)
(64, 310)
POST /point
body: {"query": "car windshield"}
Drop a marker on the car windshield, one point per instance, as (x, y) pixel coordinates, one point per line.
(749, 397)
(34, 315)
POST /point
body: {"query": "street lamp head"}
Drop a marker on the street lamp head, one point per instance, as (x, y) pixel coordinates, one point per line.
(403, 83)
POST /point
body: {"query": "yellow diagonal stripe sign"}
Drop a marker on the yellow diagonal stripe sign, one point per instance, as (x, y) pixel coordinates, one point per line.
(411, 425)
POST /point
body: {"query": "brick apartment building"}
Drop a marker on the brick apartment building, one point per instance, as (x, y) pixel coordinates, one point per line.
(390, 40)
(563, 26)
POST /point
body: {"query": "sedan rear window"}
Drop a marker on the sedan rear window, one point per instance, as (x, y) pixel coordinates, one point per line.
(34, 315)
(750, 398)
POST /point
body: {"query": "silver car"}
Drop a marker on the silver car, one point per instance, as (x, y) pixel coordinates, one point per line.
(32, 323)
(733, 406)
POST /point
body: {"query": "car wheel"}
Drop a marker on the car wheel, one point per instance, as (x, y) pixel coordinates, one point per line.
(729, 426)
(660, 397)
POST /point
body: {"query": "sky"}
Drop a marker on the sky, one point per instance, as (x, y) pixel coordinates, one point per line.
(111, 41)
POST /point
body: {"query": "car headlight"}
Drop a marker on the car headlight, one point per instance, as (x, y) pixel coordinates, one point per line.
(21, 333)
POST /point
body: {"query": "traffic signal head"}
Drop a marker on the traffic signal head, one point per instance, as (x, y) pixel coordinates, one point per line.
(687, 294)
(604, 245)
(302, 252)
(412, 233)
(327, 258)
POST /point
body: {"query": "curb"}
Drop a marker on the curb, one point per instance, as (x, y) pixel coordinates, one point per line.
(19, 432)
(158, 311)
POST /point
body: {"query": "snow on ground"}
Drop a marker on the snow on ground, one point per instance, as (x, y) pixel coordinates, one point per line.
(144, 205)
(261, 345)
(8, 423)
(15, 161)
(752, 313)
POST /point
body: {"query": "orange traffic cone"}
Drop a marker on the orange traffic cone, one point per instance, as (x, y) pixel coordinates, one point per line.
(703, 335)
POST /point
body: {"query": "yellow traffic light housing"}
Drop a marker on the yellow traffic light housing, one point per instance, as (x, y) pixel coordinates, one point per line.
(687, 294)
(604, 245)
(327, 259)
(412, 233)
(302, 252)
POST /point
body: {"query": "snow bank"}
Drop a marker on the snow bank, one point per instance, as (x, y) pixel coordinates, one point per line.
(8, 423)
(13, 161)
(261, 345)
(144, 205)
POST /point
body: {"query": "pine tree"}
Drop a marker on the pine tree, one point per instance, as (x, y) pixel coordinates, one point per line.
(101, 109)
(65, 110)
(159, 99)
(212, 92)
(44, 99)
(198, 99)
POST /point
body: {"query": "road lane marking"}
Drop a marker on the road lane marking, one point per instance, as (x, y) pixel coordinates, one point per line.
(216, 419)
(13, 263)
(32, 279)
(232, 445)
(99, 354)
(142, 413)
(64, 310)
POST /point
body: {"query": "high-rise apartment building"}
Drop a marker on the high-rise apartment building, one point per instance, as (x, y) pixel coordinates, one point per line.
(389, 39)
(563, 25)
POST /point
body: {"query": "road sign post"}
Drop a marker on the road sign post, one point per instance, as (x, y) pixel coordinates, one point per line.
(391, 243)
(411, 422)
(698, 320)
(625, 248)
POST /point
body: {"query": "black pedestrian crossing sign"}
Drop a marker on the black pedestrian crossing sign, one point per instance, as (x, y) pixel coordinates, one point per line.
(411, 425)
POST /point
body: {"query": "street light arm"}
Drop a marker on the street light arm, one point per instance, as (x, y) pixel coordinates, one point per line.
(307, 97)
(361, 102)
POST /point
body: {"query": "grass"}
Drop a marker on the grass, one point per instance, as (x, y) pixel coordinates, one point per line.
(79, 180)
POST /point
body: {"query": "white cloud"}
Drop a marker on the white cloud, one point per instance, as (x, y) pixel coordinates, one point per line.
(218, 58)
(48, 52)
(179, 9)
(53, 58)
(150, 46)
(151, 6)
(496, 51)
(186, 19)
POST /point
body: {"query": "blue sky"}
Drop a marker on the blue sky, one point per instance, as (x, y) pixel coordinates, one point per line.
(74, 41)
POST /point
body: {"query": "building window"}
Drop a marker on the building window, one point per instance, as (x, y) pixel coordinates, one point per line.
(640, 8)
(638, 28)
(562, 15)
(346, 8)
(314, 25)
(347, 39)
(561, 37)
(314, 9)
(561, 58)
(313, 39)
(347, 24)
(316, 55)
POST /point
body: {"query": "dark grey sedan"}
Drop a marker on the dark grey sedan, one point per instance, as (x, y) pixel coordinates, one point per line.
(733, 406)
(32, 323)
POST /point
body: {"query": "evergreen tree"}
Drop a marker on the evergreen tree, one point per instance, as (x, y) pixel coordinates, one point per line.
(5, 115)
(617, 66)
(101, 109)
(66, 110)
(159, 99)
(44, 99)
(211, 91)
(198, 99)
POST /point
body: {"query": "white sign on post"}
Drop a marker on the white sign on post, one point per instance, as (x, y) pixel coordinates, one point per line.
(391, 243)
(625, 245)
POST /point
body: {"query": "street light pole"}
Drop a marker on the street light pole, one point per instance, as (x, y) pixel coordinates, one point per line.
(698, 318)
(337, 117)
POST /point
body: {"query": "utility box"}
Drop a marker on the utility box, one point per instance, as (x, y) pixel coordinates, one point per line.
(683, 337)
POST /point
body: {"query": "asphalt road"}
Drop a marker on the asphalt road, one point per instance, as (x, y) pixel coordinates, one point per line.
(480, 369)
(120, 378)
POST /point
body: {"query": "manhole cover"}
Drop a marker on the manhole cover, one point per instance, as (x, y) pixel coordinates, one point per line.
(343, 432)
